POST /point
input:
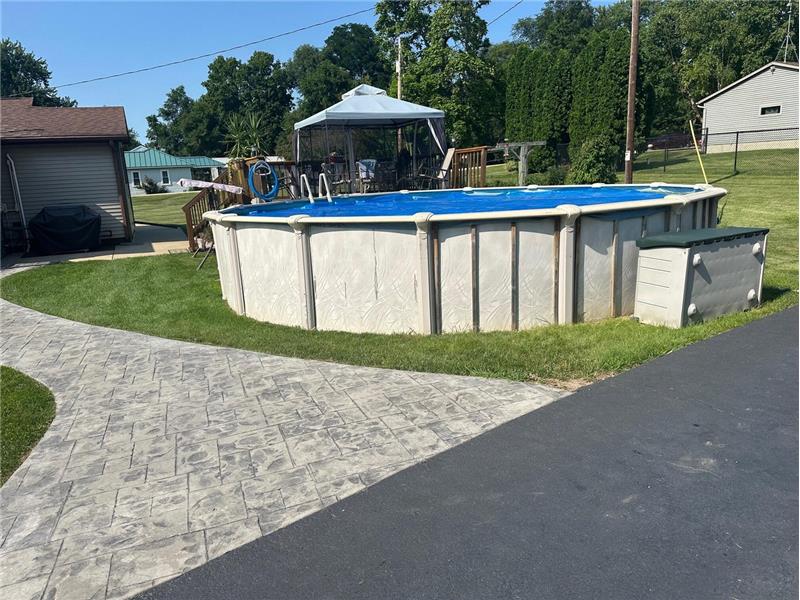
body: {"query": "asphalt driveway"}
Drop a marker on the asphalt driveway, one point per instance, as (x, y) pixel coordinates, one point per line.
(677, 479)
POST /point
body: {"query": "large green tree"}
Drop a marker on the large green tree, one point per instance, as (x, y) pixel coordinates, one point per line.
(260, 86)
(167, 128)
(354, 48)
(599, 89)
(22, 73)
(446, 65)
(560, 24)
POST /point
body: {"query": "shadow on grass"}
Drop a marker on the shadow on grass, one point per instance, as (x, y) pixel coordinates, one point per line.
(768, 293)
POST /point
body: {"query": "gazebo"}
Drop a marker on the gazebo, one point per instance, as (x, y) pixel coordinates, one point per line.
(371, 139)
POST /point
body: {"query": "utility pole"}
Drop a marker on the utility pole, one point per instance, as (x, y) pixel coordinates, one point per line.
(398, 68)
(632, 66)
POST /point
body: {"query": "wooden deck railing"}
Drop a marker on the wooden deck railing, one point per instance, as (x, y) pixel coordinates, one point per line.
(210, 199)
(469, 167)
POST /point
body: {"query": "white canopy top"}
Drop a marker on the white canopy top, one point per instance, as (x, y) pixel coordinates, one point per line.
(366, 105)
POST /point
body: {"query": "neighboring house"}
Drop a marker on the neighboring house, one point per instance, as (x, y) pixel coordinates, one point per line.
(165, 169)
(65, 156)
(766, 99)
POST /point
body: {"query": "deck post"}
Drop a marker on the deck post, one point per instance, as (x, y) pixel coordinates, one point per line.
(425, 273)
(566, 263)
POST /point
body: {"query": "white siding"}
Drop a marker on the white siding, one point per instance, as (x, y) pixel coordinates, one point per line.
(175, 173)
(55, 174)
(739, 109)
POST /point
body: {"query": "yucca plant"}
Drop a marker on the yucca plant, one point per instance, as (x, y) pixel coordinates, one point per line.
(246, 135)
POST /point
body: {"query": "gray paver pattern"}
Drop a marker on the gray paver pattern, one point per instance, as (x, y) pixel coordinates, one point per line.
(165, 454)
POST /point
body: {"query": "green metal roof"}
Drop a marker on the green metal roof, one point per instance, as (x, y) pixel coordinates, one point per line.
(152, 158)
(695, 237)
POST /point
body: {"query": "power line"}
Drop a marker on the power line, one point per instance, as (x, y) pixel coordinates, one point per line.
(207, 54)
(505, 12)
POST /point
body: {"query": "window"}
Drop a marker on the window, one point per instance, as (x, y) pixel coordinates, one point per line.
(770, 110)
(137, 180)
(165, 177)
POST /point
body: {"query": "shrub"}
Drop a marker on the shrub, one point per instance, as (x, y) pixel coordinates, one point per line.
(151, 187)
(596, 162)
(553, 176)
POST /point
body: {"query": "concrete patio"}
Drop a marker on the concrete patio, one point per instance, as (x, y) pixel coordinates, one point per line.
(149, 240)
(164, 455)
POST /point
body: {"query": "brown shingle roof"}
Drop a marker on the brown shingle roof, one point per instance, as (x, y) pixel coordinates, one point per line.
(21, 121)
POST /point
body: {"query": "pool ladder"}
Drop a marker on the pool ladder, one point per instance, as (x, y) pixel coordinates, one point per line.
(306, 186)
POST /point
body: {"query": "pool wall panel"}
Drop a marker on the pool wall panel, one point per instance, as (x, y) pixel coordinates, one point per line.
(494, 275)
(536, 251)
(594, 291)
(270, 277)
(365, 279)
(628, 231)
(228, 266)
(455, 254)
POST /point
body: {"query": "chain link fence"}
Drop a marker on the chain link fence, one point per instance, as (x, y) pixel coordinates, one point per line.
(755, 152)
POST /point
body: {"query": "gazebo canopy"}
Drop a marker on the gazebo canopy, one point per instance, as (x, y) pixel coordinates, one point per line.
(367, 106)
(368, 110)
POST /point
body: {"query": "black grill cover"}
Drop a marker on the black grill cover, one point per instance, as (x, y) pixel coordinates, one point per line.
(65, 228)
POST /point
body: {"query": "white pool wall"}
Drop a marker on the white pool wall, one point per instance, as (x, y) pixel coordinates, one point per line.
(428, 273)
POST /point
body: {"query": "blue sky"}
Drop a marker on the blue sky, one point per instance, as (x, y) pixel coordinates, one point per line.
(80, 40)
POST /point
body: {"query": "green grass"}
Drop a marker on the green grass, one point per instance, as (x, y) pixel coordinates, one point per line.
(26, 410)
(166, 296)
(161, 209)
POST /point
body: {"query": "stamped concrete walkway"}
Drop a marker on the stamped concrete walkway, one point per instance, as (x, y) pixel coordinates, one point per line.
(164, 454)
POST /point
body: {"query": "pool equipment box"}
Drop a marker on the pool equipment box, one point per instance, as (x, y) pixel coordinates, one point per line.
(690, 276)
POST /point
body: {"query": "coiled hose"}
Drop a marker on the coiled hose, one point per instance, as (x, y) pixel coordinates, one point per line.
(266, 197)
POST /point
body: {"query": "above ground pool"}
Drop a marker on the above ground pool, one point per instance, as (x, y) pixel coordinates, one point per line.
(446, 202)
(448, 260)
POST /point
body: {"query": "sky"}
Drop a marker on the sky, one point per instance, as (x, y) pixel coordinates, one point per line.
(80, 40)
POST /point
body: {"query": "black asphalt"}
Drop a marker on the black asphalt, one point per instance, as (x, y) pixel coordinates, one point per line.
(678, 479)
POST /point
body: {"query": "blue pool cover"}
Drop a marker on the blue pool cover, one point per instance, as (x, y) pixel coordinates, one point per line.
(457, 201)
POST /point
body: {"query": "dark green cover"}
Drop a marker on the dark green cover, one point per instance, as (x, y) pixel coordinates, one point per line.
(687, 239)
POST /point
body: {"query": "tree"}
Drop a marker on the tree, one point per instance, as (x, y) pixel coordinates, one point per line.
(305, 58)
(166, 128)
(538, 101)
(691, 49)
(260, 86)
(355, 48)
(22, 73)
(599, 92)
(560, 24)
(445, 63)
(322, 86)
(133, 140)
(407, 19)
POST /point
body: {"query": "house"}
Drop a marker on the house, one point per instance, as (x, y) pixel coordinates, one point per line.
(763, 103)
(165, 169)
(63, 156)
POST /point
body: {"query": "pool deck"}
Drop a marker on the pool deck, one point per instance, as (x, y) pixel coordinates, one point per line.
(677, 479)
(164, 454)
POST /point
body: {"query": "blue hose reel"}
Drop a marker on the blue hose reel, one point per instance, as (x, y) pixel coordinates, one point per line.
(265, 197)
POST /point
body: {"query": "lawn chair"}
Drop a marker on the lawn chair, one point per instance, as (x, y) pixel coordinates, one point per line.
(366, 174)
(439, 178)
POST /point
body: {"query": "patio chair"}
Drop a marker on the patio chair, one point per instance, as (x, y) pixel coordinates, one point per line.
(366, 174)
(438, 179)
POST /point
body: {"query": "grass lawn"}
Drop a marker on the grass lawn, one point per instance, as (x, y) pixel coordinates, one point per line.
(26, 410)
(165, 296)
(161, 209)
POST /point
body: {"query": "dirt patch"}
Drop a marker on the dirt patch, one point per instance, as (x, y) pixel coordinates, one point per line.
(570, 385)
